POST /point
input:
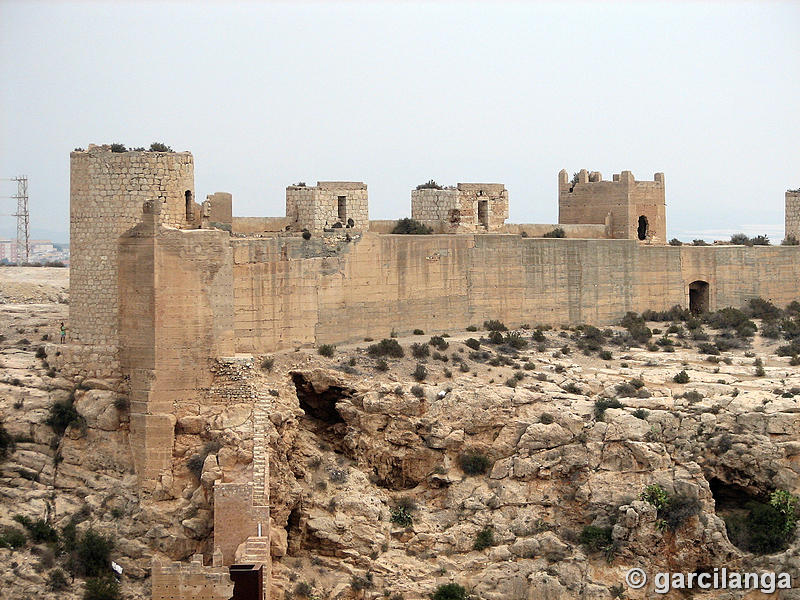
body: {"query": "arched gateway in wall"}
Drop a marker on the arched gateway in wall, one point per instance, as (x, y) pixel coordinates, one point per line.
(698, 296)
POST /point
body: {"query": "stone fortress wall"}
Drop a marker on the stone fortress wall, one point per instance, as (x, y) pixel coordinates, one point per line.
(171, 288)
(792, 214)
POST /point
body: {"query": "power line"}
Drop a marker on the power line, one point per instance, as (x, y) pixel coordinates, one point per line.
(23, 219)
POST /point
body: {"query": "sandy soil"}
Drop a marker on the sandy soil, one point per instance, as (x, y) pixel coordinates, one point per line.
(33, 285)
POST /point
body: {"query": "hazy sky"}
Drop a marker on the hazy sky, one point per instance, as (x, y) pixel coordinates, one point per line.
(393, 94)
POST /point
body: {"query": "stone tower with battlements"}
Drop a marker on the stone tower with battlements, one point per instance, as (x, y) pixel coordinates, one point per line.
(792, 214)
(107, 190)
(633, 209)
(327, 205)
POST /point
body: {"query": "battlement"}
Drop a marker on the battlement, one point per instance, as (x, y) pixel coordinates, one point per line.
(624, 178)
(632, 209)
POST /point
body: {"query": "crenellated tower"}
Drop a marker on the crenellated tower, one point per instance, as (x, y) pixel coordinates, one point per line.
(633, 209)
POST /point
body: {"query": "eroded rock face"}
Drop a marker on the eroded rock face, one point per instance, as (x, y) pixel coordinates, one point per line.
(554, 469)
(349, 444)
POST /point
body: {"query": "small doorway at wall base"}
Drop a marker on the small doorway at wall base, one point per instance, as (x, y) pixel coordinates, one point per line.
(698, 297)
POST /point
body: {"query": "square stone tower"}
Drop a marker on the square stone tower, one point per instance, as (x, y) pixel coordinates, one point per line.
(328, 204)
(466, 208)
(633, 209)
(107, 190)
(792, 214)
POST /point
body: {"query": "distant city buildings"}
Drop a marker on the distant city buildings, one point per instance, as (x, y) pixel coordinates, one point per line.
(41, 251)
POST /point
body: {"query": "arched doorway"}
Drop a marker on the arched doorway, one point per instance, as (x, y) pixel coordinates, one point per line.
(698, 297)
(642, 229)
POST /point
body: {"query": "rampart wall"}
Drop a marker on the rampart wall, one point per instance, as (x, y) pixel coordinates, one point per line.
(286, 297)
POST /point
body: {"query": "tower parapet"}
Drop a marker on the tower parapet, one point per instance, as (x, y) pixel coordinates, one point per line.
(635, 209)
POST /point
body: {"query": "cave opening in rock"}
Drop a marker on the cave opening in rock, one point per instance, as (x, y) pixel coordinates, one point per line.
(752, 523)
(294, 536)
(319, 402)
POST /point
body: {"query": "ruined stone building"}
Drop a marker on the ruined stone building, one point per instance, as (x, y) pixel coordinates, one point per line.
(162, 287)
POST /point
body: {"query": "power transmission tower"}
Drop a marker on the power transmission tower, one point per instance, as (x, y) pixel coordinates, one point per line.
(23, 221)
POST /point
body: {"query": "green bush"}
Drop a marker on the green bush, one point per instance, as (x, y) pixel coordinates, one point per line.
(675, 242)
(450, 591)
(306, 234)
(484, 539)
(601, 404)
(420, 373)
(740, 239)
(558, 232)
(386, 347)
(159, 147)
(641, 413)
(515, 340)
(408, 226)
(382, 365)
(494, 325)
(472, 343)
(605, 355)
(267, 363)
(429, 185)
(11, 537)
(101, 588)
(57, 581)
(760, 240)
(420, 350)
(40, 531)
(706, 348)
(473, 462)
(326, 350)
(118, 148)
(472, 328)
(699, 243)
(439, 343)
(62, 414)
(357, 582)
(546, 419)
(677, 509)
(655, 495)
(596, 539)
(418, 391)
(91, 553)
(401, 515)
(682, 377)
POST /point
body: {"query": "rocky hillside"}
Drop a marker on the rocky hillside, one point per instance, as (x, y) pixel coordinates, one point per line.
(542, 463)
